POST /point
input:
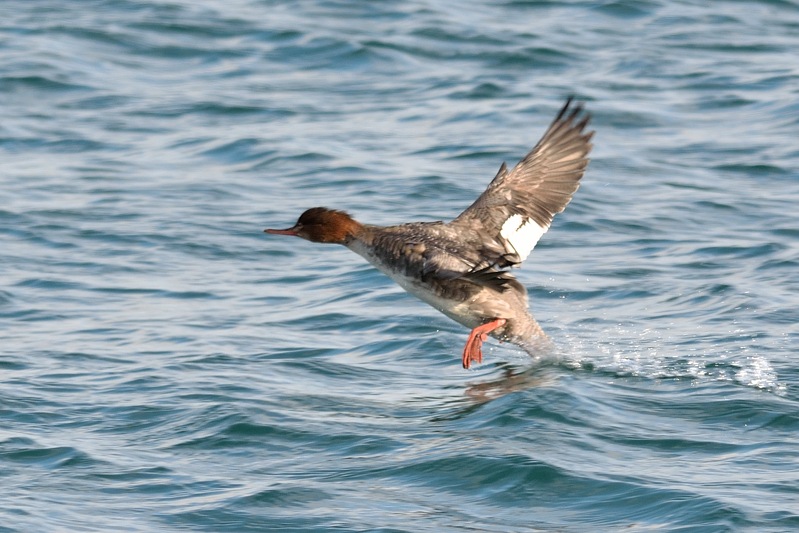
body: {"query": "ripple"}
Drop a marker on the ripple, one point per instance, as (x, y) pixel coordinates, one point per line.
(37, 83)
(26, 451)
(159, 349)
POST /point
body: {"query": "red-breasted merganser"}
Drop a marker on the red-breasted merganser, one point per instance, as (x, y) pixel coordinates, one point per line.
(460, 267)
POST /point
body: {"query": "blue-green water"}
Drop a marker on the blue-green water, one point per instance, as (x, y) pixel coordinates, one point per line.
(165, 366)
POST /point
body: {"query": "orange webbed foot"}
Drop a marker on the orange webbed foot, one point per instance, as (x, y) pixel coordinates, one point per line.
(472, 352)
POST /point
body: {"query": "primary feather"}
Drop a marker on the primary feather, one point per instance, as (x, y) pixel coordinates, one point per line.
(518, 206)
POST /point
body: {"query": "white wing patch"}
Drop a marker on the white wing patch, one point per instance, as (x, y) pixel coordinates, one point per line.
(522, 234)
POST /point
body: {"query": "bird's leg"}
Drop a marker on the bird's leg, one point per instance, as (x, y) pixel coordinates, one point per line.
(472, 351)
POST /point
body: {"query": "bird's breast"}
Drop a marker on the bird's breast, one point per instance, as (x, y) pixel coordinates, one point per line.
(453, 297)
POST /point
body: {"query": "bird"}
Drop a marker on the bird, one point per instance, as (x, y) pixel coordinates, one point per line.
(462, 267)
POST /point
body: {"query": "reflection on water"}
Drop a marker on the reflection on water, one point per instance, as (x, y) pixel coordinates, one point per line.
(512, 379)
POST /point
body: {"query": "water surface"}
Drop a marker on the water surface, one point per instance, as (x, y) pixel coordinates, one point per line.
(165, 366)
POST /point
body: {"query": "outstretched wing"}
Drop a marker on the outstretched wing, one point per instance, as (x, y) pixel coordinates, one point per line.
(518, 206)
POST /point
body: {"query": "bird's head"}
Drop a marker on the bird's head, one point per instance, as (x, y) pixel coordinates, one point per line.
(320, 224)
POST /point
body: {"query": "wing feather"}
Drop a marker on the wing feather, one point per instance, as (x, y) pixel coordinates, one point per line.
(518, 206)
